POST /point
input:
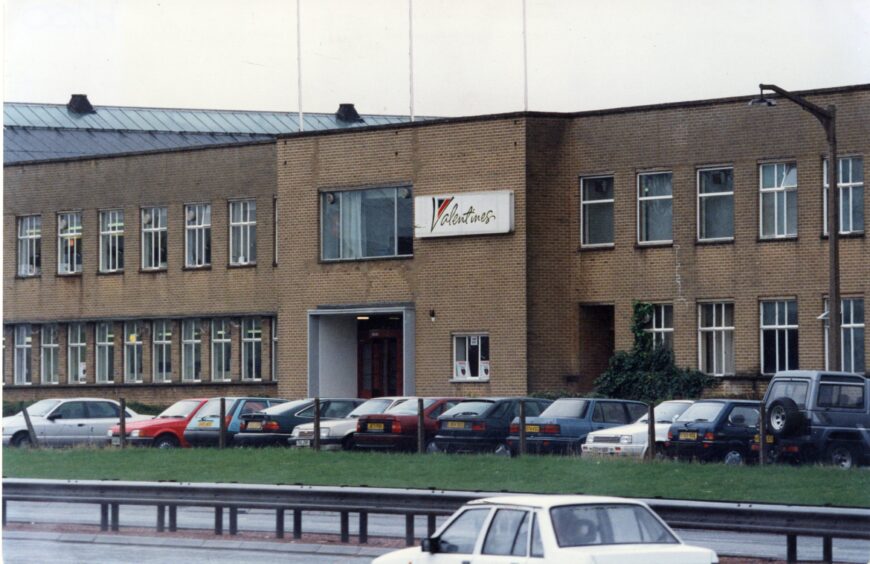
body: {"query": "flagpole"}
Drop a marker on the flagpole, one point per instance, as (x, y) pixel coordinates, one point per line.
(525, 63)
(411, 55)
(299, 61)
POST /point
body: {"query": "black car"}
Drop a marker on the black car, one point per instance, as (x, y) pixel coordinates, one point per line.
(482, 424)
(715, 430)
(273, 426)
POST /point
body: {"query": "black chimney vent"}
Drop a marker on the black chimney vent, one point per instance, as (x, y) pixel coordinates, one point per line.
(79, 104)
(347, 113)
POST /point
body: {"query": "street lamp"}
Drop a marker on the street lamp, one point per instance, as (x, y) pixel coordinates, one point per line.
(828, 118)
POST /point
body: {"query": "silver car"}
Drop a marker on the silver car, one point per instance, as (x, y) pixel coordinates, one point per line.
(65, 422)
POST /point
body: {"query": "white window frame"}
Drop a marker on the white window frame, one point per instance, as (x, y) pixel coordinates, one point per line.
(481, 377)
(69, 242)
(274, 371)
(133, 351)
(161, 339)
(784, 191)
(197, 235)
(658, 329)
(226, 340)
(585, 204)
(105, 351)
(700, 196)
(77, 348)
(155, 228)
(23, 360)
(191, 346)
(30, 245)
(845, 188)
(49, 355)
(245, 229)
(781, 331)
(719, 331)
(642, 199)
(112, 240)
(252, 349)
(847, 331)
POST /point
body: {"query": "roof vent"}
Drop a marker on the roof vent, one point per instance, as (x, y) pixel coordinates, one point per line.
(79, 104)
(347, 113)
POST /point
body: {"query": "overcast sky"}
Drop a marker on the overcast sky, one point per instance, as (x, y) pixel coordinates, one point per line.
(241, 54)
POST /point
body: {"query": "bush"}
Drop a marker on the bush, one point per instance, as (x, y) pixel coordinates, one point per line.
(145, 408)
(13, 407)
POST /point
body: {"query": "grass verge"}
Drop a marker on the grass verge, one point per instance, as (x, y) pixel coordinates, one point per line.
(809, 485)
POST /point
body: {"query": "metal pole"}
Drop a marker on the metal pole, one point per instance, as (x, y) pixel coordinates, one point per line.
(834, 351)
(297, 523)
(411, 55)
(104, 516)
(791, 548)
(363, 527)
(114, 508)
(344, 519)
(161, 518)
(279, 523)
(827, 550)
(234, 520)
(762, 434)
(173, 518)
(218, 520)
(316, 439)
(522, 428)
(299, 62)
(409, 529)
(222, 438)
(31, 434)
(421, 428)
(123, 423)
(525, 62)
(651, 432)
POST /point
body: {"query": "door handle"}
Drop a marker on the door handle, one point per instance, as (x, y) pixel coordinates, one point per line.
(80, 425)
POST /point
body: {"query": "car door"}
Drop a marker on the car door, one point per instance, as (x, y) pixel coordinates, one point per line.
(507, 537)
(608, 414)
(460, 540)
(739, 425)
(102, 416)
(67, 424)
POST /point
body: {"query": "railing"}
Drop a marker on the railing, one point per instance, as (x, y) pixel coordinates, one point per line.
(791, 521)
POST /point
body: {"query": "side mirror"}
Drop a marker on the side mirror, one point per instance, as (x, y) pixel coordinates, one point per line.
(429, 545)
(54, 416)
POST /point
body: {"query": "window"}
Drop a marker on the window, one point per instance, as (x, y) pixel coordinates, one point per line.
(470, 356)
(596, 201)
(841, 396)
(362, 224)
(778, 200)
(742, 416)
(191, 345)
(112, 241)
(243, 232)
(716, 339)
(105, 352)
(76, 347)
(23, 344)
(71, 410)
(508, 533)
(655, 208)
(661, 325)
(69, 243)
(162, 350)
(30, 245)
(851, 335)
(197, 235)
(779, 336)
(609, 412)
(132, 352)
(252, 345)
(154, 238)
(851, 183)
(274, 348)
(49, 360)
(221, 350)
(103, 410)
(460, 536)
(716, 204)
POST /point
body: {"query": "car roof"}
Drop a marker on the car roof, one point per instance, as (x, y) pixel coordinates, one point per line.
(548, 501)
(728, 400)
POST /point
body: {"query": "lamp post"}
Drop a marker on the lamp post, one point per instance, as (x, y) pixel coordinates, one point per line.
(828, 118)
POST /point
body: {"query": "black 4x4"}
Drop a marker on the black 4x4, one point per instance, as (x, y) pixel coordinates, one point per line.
(816, 415)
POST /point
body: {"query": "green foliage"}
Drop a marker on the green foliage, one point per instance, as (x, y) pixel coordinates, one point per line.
(13, 407)
(145, 408)
(556, 394)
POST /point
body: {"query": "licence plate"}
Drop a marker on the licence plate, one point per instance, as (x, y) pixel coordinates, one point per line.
(456, 424)
(205, 424)
(533, 428)
(688, 436)
(375, 427)
(254, 425)
(768, 439)
(303, 442)
(116, 441)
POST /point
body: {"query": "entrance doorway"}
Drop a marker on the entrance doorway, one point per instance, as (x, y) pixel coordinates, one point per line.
(379, 356)
(597, 342)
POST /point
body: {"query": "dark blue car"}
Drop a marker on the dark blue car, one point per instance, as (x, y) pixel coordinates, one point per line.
(715, 430)
(481, 424)
(273, 425)
(563, 426)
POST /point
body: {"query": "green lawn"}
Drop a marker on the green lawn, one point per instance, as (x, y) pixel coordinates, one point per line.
(813, 485)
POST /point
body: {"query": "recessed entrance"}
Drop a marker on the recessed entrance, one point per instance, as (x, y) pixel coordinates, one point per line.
(596, 342)
(379, 360)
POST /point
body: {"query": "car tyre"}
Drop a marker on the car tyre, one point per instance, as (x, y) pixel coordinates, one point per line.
(21, 440)
(660, 453)
(166, 441)
(842, 455)
(783, 417)
(502, 450)
(734, 457)
(347, 443)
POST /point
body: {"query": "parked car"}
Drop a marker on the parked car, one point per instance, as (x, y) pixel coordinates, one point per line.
(338, 434)
(563, 426)
(163, 431)
(204, 428)
(715, 430)
(67, 422)
(396, 428)
(814, 415)
(482, 424)
(274, 425)
(631, 440)
(573, 529)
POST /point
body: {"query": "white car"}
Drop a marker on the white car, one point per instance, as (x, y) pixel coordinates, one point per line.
(572, 529)
(66, 422)
(337, 434)
(630, 440)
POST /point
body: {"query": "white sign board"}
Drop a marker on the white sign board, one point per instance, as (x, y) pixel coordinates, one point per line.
(468, 213)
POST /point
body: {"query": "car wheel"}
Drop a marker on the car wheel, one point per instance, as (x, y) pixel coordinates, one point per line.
(783, 417)
(502, 450)
(734, 457)
(347, 443)
(166, 441)
(660, 453)
(21, 440)
(842, 455)
(432, 447)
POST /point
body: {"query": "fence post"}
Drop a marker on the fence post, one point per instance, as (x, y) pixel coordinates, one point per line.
(651, 432)
(430, 524)
(222, 439)
(762, 435)
(218, 520)
(316, 439)
(297, 523)
(161, 518)
(115, 518)
(279, 523)
(123, 423)
(827, 550)
(344, 518)
(31, 434)
(421, 428)
(363, 527)
(791, 548)
(234, 520)
(522, 427)
(104, 516)
(173, 518)
(409, 529)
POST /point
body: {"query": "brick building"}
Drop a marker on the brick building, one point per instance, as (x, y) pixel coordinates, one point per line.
(486, 255)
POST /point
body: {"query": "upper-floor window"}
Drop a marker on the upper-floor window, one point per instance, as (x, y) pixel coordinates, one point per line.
(851, 183)
(779, 336)
(252, 346)
(76, 348)
(30, 245)
(596, 217)
(243, 232)
(716, 338)
(69, 243)
(111, 241)
(105, 352)
(361, 224)
(661, 326)
(655, 207)
(851, 335)
(778, 200)
(132, 352)
(49, 360)
(161, 351)
(23, 362)
(715, 204)
(154, 238)
(471, 356)
(197, 235)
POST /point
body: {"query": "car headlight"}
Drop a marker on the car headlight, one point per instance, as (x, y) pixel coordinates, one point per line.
(134, 433)
(324, 433)
(625, 439)
(295, 432)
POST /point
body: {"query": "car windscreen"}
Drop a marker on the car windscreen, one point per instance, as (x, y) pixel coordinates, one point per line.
(283, 408)
(793, 389)
(567, 408)
(371, 407)
(40, 408)
(702, 411)
(600, 524)
(408, 407)
(475, 408)
(212, 408)
(667, 411)
(179, 409)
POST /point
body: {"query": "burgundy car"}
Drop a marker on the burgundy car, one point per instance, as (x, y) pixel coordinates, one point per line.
(396, 428)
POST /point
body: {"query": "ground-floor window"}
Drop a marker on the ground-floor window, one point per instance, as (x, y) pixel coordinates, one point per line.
(661, 326)
(191, 350)
(851, 335)
(471, 356)
(162, 351)
(716, 339)
(779, 336)
(23, 344)
(105, 352)
(76, 348)
(49, 360)
(132, 352)
(252, 346)
(221, 350)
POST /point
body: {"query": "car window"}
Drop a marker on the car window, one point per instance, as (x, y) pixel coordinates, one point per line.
(103, 410)
(537, 544)
(609, 412)
(532, 409)
(253, 406)
(508, 533)
(212, 408)
(461, 535)
(743, 416)
(636, 411)
(409, 407)
(336, 409)
(566, 407)
(795, 390)
(702, 411)
(471, 407)
(841, 395)
(283, 408)
(584, 525)
(71, 410)
(442, 408)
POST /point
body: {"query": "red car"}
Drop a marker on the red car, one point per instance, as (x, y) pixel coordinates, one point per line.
(164, 431)
(396, 428)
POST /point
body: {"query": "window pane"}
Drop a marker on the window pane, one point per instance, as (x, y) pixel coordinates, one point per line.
(598, 224)
(597, 189)
(768, 176)
(331, 228)
(656, 220)
(461, 536)
(377, 229)
(713, 181)
(769, 351)
(717, 217)
(857, 208)
(768, 212)
(655, 185)
(503, 532)
(405, 220)
(792, 357)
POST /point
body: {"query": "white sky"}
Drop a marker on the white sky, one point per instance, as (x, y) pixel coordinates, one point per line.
(241, 54)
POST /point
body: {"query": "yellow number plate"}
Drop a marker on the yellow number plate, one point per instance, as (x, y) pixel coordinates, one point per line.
(688, 436)
(254, 425)
(375, 427)
(768, 439)
(456, 424)
(533, 428)
(205, 423)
